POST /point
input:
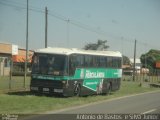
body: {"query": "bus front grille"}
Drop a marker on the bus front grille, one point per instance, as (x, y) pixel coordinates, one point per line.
(46, 83)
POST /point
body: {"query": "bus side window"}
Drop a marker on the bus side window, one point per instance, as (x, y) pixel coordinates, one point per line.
(80, 61)
(102, 61)
(116, 62)
(95, 61)
(74, 62)
(88, 61)
(109, 62)
(119, 62)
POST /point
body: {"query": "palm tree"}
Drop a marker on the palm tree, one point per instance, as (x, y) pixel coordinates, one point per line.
(100, 45)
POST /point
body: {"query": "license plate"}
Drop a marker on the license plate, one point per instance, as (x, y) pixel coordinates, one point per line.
(58, 90)
(46, 89)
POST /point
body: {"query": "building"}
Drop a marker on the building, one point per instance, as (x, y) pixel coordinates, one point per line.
(127, 70)
(21, 56)
(10, 52)
(5, 58)
(138, 65)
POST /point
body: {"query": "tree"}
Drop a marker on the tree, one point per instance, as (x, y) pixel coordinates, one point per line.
(149, 59)
(100, 45)
(126, 60)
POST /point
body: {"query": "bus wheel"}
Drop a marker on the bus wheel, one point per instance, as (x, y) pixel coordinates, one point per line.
(109, 88)
(77, 90)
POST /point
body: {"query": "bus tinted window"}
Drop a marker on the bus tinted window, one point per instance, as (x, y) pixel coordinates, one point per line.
(114, 61)
(109, 62)
(103, 61)
(96, 61)
(88, 61)
(75, 61)
(80, 60)
(119, 62)
(49, 64)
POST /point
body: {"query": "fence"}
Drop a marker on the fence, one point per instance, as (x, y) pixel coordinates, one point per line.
(17, 83)
(14, 83)
(143, 78)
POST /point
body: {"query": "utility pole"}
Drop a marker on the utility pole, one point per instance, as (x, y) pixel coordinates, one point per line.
(46, 25)
(134, 64)
(145, 55)
(68, 30)
(25, 72)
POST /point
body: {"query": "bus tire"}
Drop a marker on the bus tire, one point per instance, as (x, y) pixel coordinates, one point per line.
(77, 90)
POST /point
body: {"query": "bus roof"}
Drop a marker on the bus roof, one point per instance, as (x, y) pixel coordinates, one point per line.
(69, 51)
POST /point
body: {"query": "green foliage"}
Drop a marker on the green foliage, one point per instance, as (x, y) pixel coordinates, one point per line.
(100, 45)
(126, 60)
(149, 59)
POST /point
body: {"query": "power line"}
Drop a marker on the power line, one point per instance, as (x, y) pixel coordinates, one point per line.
(14, 2)
(21, 7)
(60, 17)
(11, 5)
(63, 18)
(21, 4)
(71, 21)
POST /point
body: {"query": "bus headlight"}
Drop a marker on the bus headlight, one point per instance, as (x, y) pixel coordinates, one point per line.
(34, 88)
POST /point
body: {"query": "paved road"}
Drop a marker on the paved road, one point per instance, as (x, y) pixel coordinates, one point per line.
(133, 104)
(147, 103)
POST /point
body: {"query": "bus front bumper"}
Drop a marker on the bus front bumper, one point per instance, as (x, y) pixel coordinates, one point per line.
(46, 90)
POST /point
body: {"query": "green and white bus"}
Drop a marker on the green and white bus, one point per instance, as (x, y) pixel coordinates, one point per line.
(77, 72)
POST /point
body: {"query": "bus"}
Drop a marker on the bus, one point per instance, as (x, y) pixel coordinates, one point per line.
(75, 72)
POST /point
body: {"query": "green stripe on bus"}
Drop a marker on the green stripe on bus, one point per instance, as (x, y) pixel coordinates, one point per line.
(85, 74)
(97, 73)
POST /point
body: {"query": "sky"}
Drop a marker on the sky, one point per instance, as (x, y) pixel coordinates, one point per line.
(75, 23)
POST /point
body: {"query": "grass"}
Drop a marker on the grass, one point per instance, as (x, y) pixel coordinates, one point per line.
(16, 82)
(25, 103)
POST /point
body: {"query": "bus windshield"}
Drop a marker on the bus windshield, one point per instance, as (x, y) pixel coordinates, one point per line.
(49, 64)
